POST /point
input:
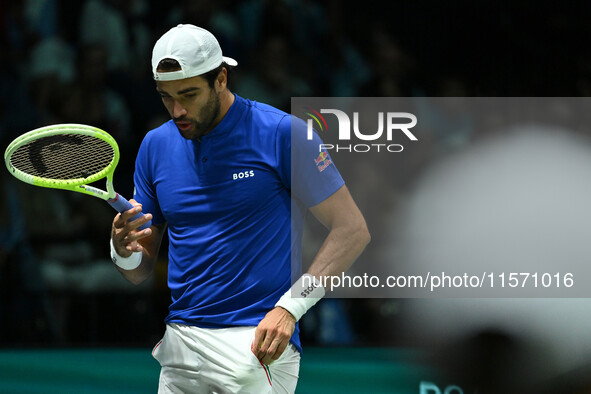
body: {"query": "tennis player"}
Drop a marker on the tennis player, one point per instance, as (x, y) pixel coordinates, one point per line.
(218, 178)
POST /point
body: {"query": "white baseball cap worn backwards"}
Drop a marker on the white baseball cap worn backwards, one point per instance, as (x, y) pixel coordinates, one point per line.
(195, 49)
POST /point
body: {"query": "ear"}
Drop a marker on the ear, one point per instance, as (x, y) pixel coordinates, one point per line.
(222, 79)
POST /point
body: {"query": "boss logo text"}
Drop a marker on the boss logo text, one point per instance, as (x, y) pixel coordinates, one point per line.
(243, 174)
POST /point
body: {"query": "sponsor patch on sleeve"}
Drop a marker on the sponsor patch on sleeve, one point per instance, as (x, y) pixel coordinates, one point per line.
(322, 161)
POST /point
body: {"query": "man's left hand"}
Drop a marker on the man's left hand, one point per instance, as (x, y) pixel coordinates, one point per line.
(272, 335)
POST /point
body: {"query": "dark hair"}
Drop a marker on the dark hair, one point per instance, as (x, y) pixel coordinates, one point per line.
(168, 65)
(212, 75)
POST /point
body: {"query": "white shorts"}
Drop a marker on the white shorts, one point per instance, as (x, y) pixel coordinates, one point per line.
(202, 360)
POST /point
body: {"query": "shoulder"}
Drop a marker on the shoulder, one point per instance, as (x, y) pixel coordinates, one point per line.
(160, 132)
(261, 109)
(155, 138)
(157, 141)
(265, 117)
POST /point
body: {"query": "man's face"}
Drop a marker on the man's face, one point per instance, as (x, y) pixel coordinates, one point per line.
(192, 104)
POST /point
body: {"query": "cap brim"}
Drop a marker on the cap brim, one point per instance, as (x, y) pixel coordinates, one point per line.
(229, 61)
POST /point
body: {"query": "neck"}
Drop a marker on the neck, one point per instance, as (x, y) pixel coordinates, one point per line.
(226, 100)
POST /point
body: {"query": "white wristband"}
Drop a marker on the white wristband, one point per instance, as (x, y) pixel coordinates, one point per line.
(307, 291)
(126, 263)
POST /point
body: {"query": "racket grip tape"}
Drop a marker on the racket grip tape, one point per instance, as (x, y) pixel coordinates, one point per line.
(122, 205)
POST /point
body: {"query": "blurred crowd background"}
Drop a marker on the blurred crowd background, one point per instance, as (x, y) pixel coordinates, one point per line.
(89, 62)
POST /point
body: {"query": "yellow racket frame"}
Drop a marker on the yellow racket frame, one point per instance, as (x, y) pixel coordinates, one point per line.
(80, 185)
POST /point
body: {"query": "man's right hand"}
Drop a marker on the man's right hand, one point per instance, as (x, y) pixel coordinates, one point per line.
(125, 234)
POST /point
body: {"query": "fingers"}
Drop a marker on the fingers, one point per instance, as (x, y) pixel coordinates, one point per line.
(272, 335)
(259, 339)
(122, 223)
(122, 218)
(124, 232)
(275, 350)
(270, 348)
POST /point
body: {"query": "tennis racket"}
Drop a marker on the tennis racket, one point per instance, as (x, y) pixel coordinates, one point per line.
(69, 157)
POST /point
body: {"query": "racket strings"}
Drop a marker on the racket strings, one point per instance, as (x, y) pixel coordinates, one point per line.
(63, 157)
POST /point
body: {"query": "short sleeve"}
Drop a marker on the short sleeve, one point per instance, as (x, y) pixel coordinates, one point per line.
(304, 165)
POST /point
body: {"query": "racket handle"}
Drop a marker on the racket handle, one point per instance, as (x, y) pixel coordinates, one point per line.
(122, 205)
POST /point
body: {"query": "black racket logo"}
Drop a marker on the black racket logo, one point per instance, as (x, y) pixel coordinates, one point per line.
(52, 144)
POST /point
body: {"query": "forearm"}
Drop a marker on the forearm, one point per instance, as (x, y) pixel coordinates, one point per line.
(149, 248)
(134, 252)
(347, 238)
(343, 245)
(142, 272)
(340, 249)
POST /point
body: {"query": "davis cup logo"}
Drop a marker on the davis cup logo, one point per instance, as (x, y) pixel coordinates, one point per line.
(389, 123)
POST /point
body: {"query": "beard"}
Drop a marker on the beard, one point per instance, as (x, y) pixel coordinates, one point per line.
(208, 115)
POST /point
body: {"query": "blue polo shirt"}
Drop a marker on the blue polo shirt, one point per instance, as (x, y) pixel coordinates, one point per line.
(234, 211)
